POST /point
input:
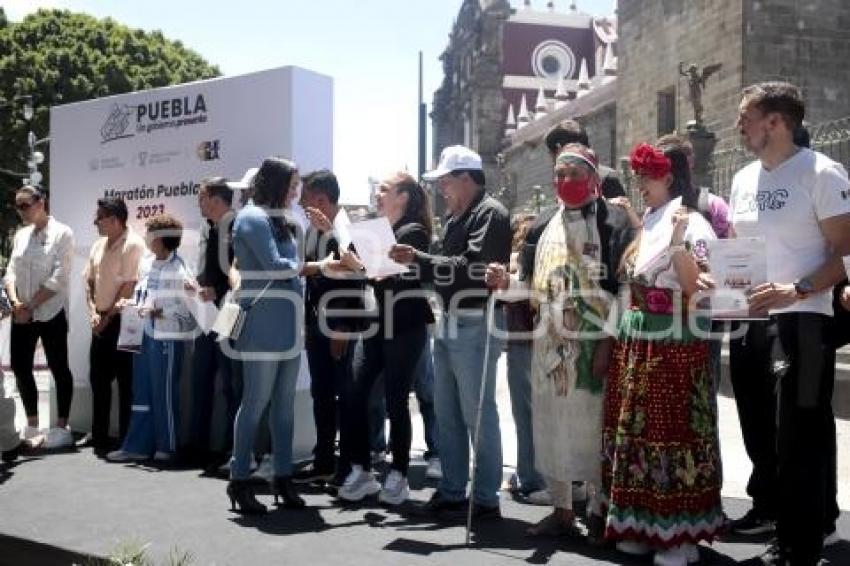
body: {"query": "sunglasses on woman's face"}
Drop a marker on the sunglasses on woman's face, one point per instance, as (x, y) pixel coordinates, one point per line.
(22, 206)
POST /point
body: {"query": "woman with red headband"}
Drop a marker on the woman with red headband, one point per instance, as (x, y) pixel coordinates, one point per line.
(661, 460)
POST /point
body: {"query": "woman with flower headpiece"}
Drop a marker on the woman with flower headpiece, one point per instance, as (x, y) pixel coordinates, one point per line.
(660, 455)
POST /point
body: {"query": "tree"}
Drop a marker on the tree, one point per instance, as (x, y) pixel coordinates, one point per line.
(59, 57)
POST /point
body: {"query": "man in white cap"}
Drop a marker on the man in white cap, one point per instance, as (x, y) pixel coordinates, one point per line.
(477, 232)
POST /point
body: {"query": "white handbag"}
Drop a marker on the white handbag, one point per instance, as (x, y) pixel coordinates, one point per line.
(231, 318)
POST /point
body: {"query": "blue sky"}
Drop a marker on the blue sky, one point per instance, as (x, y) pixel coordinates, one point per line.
(369, 47)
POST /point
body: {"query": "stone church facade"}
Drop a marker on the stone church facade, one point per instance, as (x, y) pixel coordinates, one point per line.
(642, 95)
(498, 62)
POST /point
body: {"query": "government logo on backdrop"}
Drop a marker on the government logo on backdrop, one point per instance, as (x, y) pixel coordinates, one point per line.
(155, 115)
(208, 150)
(116, 124)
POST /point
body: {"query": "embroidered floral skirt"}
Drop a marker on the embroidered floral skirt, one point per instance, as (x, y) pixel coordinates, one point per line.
(661, 471)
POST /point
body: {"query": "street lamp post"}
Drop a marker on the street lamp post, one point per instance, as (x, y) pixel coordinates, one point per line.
(34, 157)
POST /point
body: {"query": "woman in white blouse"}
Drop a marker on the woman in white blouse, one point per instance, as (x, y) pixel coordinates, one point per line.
(37, 284)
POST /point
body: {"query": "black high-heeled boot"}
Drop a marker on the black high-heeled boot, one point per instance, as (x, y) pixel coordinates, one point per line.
(242, 500)
(283, 487)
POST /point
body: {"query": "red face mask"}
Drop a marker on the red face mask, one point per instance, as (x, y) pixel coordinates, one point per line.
(574, 193)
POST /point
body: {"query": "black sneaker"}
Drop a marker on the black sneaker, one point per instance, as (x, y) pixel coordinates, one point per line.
(439, 504)
(313, 474)
(753, 523)
(12, 454)
(486, 511)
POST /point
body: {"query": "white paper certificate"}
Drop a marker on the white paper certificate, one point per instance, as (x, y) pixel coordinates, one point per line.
(737, 265)
(373, 240)
(205, 313)
(847, 265)
(341, 229)
(131, 331)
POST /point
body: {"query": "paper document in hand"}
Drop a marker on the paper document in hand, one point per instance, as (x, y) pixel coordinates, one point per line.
(341, 229)
(204, 312)
(132, 330)
(737, 265)
(373, 240)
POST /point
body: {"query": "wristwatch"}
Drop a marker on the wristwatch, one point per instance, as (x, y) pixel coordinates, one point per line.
(803, 287)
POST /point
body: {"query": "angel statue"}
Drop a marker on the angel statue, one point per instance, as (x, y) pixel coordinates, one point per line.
(696, 84)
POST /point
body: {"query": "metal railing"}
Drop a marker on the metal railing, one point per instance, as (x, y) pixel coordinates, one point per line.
(832, 138)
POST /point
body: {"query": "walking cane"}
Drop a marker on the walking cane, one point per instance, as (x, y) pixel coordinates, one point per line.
(488, 324)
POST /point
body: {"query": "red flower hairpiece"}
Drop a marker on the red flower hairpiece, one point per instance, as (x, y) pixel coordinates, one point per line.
(650, 161)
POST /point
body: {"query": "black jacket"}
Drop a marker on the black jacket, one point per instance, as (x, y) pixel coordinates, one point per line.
(211, 272)
(317, 247)
(408, 312)
(615, 234)
(481, 235)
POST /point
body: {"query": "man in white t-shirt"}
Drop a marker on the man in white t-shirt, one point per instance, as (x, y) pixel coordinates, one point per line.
(798, 200)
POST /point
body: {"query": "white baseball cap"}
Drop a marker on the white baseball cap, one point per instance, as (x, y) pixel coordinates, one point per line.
(454, 158)
(246, 181)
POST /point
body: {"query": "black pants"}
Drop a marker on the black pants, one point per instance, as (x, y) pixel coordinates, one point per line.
(54, 339)
(209, 361)
(398, 359)
(330, 382)
(754, 385)
(107, 363)
(806, 435)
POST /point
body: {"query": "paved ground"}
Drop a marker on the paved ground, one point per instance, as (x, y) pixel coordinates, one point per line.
(55, 509)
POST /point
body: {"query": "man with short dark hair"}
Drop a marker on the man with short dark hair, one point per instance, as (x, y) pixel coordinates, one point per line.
(328, 338)
(110, 275)
(215, 198)
(570, 131)
(477, 232)
(791, 186)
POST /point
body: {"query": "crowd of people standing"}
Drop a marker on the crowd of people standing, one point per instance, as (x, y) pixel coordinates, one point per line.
(613, 361)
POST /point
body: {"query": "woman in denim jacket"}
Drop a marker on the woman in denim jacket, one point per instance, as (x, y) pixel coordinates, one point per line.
(269, 344)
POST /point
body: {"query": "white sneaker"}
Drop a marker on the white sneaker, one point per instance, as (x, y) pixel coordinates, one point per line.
(434, 470)
(358, 484)
(58, 438)
(633, 547)
(579, 492)
(539, 497)
(265, 470)
(395, 490)
(675, 556)
(29, 432)
(831, 538)
(123, 456)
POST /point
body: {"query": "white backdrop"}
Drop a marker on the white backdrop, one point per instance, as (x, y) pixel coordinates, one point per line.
(154, 147)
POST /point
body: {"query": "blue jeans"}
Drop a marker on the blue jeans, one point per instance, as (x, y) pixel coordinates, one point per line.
(264, 382)
(519, 386)
(458, 364)
(423, 386)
